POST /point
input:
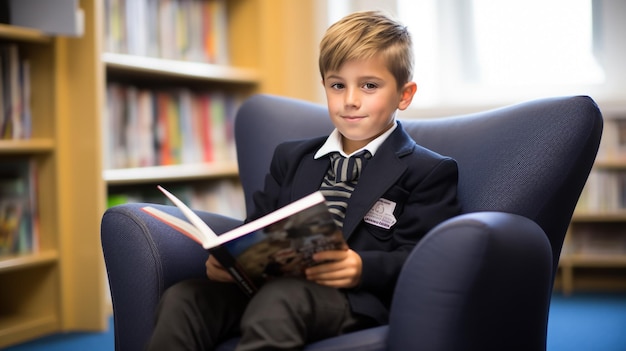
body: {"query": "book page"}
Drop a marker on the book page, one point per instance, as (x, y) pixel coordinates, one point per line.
(282, 213)
(208, 235)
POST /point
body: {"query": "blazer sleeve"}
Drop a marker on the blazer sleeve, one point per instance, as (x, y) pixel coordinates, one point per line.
(267, 200)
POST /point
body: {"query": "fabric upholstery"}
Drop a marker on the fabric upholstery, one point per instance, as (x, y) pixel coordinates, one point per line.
(479, 281)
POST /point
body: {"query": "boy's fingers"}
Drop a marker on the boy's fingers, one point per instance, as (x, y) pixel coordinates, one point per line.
(330, 255)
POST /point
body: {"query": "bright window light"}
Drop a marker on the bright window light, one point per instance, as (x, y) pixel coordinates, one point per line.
(533, 42)
(494, 51)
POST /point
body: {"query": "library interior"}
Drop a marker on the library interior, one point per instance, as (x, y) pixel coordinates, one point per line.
(103, 100)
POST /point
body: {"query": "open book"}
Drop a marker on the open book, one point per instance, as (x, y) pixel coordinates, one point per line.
(279, 244)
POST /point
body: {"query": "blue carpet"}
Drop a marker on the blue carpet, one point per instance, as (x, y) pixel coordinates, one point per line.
(587, 322)
(583, 322)
(71, 342)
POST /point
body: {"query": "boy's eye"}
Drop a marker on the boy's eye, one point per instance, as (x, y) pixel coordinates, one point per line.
(337, 86)
(370, 86)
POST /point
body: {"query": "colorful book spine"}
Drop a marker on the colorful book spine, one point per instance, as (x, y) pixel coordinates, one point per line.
(191, 30)
(19, 222)
(168, 127)
(15, 114)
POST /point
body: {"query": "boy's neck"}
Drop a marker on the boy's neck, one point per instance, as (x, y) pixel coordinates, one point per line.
(349, 147)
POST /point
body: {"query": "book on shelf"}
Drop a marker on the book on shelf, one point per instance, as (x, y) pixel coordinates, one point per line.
(166, 127)
(279, 244)
(613, 143)
(597, 239)
(15, 117)
(195, 30)
(18, 207)
(604, 192)
(223, 196)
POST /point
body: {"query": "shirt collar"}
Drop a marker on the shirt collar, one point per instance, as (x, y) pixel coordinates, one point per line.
(333, 143)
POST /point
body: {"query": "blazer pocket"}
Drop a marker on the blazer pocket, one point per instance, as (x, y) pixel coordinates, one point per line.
(382, 218)
(380, 234)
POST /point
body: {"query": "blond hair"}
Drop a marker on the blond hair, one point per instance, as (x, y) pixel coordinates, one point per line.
(363, 35)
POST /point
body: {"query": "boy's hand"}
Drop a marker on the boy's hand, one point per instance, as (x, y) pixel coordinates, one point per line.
(215, 271)
(343, 270)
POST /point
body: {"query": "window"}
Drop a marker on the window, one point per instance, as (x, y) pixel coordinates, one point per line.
(521, 43)
(490, 52)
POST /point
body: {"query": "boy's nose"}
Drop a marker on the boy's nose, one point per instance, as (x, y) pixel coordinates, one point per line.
(352, 98)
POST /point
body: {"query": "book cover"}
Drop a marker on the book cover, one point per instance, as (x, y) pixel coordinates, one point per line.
(11, 215)
(18, 210)
(279, 244)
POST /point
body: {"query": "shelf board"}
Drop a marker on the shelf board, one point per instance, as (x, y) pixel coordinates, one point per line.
(614, 216)
(594, 260)
(19, 328)
(611, 164)
(176, 68)
(128, 176)
(23, 146)
(23, 34)
(21, 261)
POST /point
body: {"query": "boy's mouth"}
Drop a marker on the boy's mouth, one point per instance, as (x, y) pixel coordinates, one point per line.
(353, 118)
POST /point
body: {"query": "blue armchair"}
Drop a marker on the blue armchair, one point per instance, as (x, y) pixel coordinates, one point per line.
(479, 281)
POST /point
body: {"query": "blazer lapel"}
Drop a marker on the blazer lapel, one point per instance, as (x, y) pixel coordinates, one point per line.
(381, 173)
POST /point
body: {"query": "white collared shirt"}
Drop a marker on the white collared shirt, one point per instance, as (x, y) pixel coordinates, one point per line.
(333, 143)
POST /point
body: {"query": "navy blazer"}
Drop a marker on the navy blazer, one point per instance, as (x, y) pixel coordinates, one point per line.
(421, 183)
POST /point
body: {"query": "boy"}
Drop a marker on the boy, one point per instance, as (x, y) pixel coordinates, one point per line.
(366, 67)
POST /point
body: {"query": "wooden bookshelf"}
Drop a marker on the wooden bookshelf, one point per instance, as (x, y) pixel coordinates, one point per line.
(594, 253)
(272, 48)
(240, 77)
(60, 284)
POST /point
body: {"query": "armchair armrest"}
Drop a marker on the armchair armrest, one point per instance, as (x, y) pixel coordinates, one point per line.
(143, 257)
(454, 292)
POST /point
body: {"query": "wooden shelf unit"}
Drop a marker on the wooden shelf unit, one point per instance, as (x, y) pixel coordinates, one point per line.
(241, 76)
(272, 49)
(184, 73)
(594, 254)
(59, 286)
(62, 287)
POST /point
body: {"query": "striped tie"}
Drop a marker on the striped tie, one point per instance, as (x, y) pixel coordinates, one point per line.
(340, 180)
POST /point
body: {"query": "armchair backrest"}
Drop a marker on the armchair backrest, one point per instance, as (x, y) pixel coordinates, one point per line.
(530, 159)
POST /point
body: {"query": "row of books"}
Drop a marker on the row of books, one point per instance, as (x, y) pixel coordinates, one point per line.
(165, 127)
(593, 239)
(193, 30)
(613, 144)
(224, 196)
(605, 191)
(18, 207)
(15, 116)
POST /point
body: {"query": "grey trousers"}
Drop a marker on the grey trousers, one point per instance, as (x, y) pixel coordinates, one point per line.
(286, 314)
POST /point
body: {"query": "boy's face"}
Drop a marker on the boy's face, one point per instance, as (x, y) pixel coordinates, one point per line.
(362, 100)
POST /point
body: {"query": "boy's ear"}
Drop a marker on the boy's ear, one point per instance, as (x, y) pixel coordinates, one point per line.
(406, 95)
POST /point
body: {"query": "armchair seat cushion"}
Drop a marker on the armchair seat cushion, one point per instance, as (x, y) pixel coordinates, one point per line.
(373, 339)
